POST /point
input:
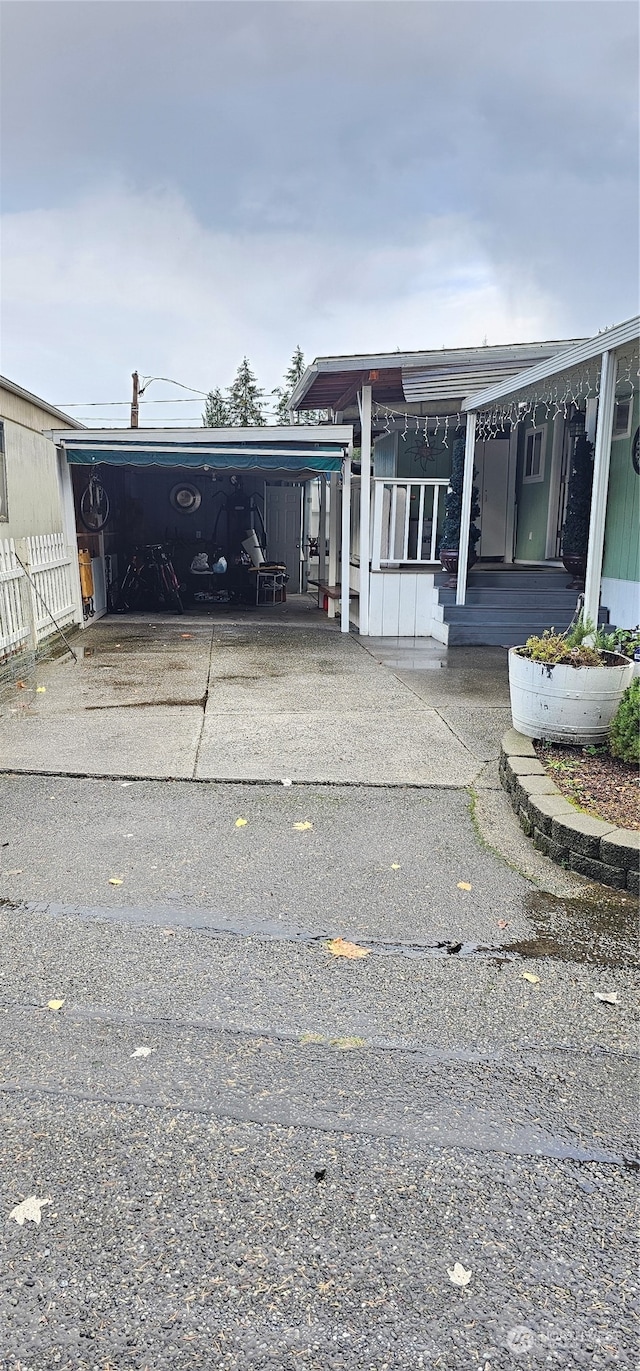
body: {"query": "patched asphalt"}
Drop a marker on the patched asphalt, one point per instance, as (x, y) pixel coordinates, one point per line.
(287, 1173)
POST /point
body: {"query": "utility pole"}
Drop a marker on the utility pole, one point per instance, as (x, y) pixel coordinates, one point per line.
(134, 399)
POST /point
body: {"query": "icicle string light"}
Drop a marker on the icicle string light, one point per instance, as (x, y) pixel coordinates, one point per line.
(561, 395)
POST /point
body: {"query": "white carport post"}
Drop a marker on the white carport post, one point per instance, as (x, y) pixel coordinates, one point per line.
(322, 539)
(345, 545)
(333, 541)
(601, 463)
(364, 405)
(465, 513)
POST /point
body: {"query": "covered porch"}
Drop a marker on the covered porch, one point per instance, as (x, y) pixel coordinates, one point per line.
(408, 416)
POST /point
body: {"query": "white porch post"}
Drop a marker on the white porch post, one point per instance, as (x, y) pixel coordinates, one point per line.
(322, 539)
(465, 514)
(601, 462)
(345, 545)
(365, 508)
(333, 539)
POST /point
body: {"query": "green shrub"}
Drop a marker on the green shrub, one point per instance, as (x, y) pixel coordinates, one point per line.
(624, 734)
(564, 649)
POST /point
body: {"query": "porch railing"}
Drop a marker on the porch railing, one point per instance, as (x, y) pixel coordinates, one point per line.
(405, 521)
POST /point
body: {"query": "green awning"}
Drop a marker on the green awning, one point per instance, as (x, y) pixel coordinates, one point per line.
(217, 457)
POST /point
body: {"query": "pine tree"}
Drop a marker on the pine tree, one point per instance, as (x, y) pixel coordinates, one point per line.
(294, 371)
(450, 537)
(244, 397)
(216, 410)
(575, 534)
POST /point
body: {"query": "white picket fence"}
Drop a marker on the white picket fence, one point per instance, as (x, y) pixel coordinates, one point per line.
(49, 567)
(15, 629)
(29, 603)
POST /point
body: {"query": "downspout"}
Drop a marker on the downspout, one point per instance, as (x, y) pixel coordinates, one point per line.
(601, 464)
(465, 513)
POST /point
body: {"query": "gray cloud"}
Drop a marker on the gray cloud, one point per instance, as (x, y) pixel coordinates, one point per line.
(353, 128)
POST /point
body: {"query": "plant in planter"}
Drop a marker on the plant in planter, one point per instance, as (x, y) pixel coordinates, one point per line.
(575, 534)
(566, 687)
(626, 641)
(624, 737)
(450, 538)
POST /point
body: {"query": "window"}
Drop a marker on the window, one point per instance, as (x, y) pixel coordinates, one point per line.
(534, 454)
(622, 418)
(4, 507)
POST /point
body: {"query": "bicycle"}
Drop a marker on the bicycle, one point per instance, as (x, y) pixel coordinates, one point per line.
(149, 580)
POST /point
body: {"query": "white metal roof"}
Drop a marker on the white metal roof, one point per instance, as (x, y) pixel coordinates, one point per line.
(610, 339)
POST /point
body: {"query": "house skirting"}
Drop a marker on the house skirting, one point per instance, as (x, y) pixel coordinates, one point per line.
(400, 603)
(622, 599)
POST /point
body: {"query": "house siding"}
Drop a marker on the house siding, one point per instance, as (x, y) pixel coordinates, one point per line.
(621, 544)
(34, 497)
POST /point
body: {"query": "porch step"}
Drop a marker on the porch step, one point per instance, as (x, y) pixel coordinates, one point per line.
(554, 579)
(511, 595)
(493, 634)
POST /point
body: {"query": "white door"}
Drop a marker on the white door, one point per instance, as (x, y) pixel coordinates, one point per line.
(492, 464)
(283, 519)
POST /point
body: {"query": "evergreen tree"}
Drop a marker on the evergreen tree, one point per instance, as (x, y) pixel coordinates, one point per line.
(575, 534)
(283, 393)
(216, 410)
(244, 399)
(450, 537)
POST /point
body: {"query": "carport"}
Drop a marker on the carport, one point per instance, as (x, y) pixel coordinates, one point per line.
(204, 491)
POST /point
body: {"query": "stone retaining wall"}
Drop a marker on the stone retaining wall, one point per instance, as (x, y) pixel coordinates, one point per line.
(593, 847)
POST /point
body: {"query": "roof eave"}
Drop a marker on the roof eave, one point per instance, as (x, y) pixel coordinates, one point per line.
(609, 340)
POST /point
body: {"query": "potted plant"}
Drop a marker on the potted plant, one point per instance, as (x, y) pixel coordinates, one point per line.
(450, 537)
(575, 534)
(566, 687)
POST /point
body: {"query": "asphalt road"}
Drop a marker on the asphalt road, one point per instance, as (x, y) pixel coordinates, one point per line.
(307, 1144)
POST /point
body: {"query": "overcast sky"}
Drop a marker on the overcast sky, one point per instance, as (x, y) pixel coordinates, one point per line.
(188, 182)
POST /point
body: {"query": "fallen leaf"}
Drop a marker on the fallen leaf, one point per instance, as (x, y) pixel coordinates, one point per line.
(338, 947)
(464, 885)
(29, 1209)
(186, 635)
(395, 866)
(241, 823)
(142, 1052)
(607, 997)
(303, 826)
(529, 976)
(502, 923)
(116, 880)
(286, 781)
(20, 685)
(15, 871)
(55, 1004)
(458, 1275)
(41, 690)
(169, 932)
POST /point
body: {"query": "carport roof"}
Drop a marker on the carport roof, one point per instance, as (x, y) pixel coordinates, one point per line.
(297, 448)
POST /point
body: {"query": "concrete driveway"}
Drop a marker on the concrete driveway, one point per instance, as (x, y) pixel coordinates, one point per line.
(194, 699)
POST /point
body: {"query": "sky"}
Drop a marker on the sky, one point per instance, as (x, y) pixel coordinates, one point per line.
(187, 182)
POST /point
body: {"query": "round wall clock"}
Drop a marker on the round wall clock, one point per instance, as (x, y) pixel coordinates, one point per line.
(185, 498)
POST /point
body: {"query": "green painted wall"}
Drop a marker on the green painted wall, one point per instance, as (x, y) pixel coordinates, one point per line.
(532, 501)
(419, 464)
(621, 536)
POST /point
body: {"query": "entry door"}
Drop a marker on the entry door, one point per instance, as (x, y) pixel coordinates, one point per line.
(492, 463)
(283, 519)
